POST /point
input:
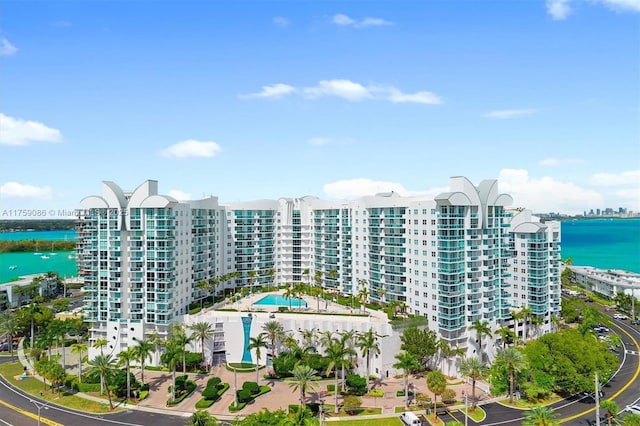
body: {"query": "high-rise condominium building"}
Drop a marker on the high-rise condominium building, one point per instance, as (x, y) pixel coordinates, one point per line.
(458, 258)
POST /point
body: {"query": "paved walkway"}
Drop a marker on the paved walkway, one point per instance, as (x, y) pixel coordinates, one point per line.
(281, 395)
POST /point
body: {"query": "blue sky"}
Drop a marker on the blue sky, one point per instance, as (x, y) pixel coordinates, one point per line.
(248, 100)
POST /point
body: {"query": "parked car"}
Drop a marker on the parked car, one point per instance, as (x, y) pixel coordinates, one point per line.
(636, 321)
(619, 316)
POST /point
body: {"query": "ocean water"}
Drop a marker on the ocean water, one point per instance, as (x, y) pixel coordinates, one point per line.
(603, 243)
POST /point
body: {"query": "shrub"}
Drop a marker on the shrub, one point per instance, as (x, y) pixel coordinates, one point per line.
(210, 394)
(143, 394)
(203, 404)
(401, 393)
(331, 387)
(293, 408)
(244, 395)
(356, 385)
(252, 387)
(233, 408)
(448, 396)
(144, 387)
(214, 381)
(351, 404)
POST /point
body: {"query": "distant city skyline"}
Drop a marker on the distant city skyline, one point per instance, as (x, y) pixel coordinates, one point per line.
(319, 98)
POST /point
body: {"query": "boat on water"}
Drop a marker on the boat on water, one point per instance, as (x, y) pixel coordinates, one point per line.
(44, 256)
(12, 267)
(37, 253)
(53, 253)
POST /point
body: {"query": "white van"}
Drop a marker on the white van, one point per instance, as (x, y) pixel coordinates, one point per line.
(409, 418)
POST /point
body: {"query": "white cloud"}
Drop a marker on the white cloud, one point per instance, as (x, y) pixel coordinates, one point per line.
(346, 89)
(360, 187)
(556, 162)
(345, 21)
(280, 21)
(349, 90)
(561, 9)
(6, 48)
(191, 148)
(396, 96)
(20, 190)
(558, 9)
(546, 194)
(624, 5)
(16, 132)
(509, 113)
(179, 195)
(319, 141)
(631, 177)
(275, 91)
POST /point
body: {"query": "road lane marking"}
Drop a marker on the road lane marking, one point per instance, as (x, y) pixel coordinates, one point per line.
(622, 389)
(30, 414)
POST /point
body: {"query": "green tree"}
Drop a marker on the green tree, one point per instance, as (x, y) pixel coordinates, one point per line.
(99, 344)
(289, 294)
(258, 343)
(422, 343)
(407, 363)
(271, 273)
(171, 357)
(474, 369)
(180, 337)
(612, 410)
(303, 380)
(202, 286)
(124, 359)
(351, 404)
(540, 416)
(317, 278)
(202, 418)
(631, 420)
(264, 418)
(301, 417)
(274, 331)
(79, 348)
(62, 304)
(481, 328)
(335, 352)
(252, 277)
(143, 352)
(9, 327)
(103, 365)
(507, 336)
(437, 383)
(202, 331)
(368, 344)
(514, 362)
(32, 312)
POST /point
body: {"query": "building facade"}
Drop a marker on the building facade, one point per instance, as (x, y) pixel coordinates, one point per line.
(455, 259)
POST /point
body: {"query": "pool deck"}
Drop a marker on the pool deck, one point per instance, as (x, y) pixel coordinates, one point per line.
(326, 306)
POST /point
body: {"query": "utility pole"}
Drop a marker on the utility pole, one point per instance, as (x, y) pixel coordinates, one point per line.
(466, 410)
(597, 398)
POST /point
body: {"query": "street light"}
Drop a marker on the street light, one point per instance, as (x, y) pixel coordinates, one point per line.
(235, 383)
(39, 406)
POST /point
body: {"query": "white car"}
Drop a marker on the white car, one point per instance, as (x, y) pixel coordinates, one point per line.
(633, 409)
(619, 316)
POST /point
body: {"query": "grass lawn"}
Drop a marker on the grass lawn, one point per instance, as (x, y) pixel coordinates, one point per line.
(476, 415)
(391, 421)
(366, 411)
(35, 386)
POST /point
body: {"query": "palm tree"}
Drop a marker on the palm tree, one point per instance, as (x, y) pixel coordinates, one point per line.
(541, 416)
(303, 380)
(612, 410)
(289, 293)
(274, 332)
(536, 322)
(124, 358)
(333, 276)
(99, 343)
(9, 327)
(202, 331)
(143, 351)
(474, 369)
(506, 335)
(171, 357)
(79, 348)
(302, 417)
(58, 330)
(181, 339)
(257, 343)
(334, 351)
(368, 344)
(363, 296)
(407, 363)
(272, 273)
(525, 313)
(317, 278)
(252, 277)
(481, 328)
(31, 312)
(347, 339)
(513, 359)
(437, 383)
(202, 418)
(214, 282)
(445, 350)
(202, 286)
(103, 364)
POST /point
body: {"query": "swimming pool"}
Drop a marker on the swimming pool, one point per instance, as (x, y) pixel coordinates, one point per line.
(279, 300)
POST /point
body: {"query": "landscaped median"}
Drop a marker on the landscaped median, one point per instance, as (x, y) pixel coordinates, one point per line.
(12, 372)
(212, 392)
(249, 392)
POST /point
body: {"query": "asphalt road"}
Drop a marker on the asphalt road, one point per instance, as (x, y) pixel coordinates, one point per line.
(66, 416)
(498, 414)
